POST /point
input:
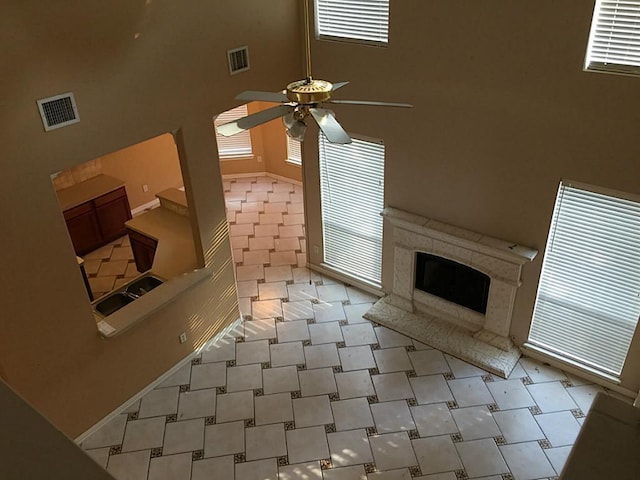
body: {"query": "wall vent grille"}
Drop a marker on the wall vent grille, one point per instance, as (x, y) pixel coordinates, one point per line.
(58, 111)
(238, 60)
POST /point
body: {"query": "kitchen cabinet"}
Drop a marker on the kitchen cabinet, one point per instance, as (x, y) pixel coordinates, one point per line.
(144, 250)
(82, 224)
(112, 211)
(98, 221)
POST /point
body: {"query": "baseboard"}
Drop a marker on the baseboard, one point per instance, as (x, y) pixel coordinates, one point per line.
(261, 174)
(147, 206)
(344, 278)
(83, 436)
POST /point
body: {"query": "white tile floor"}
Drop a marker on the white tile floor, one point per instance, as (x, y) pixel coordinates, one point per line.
(308, 389)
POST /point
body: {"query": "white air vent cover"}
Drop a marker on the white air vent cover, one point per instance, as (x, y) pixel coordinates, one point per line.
(238, 59)
(58, 111)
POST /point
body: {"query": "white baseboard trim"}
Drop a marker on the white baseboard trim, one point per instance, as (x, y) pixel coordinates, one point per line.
(83, 436)
(605, 381)
(233, 176)
(147, 206)
(330, 272)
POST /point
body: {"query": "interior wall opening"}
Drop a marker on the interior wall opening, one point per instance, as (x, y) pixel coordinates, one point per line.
(127, 216)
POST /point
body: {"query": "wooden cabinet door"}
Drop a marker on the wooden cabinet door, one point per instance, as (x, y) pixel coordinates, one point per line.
(144, 250)
(83, 228)
(112, 211)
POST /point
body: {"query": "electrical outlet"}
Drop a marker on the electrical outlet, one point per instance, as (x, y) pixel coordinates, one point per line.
(183, 337)
(145, 188)
(259, 158)
(316, 249)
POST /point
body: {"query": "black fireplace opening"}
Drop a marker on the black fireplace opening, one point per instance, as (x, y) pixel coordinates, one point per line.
(452, 281)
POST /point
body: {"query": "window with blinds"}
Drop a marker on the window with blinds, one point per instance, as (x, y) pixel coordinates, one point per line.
(614, 42)
(588, 299)
(352, 197)
(238, 145)
(294, 151)
(354, 20)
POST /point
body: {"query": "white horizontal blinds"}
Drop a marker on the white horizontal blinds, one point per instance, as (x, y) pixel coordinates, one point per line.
(294, 151)
(352, 197)
(238, 145)
(614, 42)
(589, 293)
(364, 20)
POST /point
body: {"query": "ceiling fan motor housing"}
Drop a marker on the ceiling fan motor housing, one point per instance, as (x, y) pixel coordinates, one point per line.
(309, 91)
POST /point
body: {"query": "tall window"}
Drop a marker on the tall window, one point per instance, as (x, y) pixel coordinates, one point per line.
(355, 20)
(294, 151)
(588, 303)
(352, 197)
(614, 42)
(238, 145)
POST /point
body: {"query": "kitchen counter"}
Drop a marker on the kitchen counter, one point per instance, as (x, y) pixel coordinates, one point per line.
(175, 253)
(88, 190)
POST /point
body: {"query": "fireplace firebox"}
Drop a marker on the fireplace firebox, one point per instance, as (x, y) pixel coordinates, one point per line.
(452, 281)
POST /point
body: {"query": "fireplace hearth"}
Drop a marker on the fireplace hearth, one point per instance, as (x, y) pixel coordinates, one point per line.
(436, 317)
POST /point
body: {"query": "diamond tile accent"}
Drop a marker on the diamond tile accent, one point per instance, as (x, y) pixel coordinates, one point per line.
(544, 443)
(326, 464)
(576, 412)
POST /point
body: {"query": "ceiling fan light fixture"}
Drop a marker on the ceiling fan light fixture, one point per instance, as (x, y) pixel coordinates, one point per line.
(297, 130)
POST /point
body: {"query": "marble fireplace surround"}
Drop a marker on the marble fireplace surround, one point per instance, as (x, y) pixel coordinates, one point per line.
(480, 339)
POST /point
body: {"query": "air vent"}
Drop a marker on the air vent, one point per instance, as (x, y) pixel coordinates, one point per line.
(238, 60)
(58, 111)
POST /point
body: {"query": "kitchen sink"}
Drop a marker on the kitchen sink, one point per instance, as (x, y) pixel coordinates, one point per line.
(113, 303)
(143, 285)
(127, 294)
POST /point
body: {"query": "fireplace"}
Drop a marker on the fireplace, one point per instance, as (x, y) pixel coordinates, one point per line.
(465, 309)
(452, 281)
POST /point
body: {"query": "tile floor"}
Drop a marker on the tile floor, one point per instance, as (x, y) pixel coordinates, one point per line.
(305, 388)
(110, 266)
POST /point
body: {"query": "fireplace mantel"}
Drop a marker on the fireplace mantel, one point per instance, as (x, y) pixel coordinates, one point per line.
(480, 339)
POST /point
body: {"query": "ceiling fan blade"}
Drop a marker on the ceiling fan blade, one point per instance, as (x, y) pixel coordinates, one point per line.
(330, 126)
(373, 104)
(253, 120)
(338, 85)
(251, 95)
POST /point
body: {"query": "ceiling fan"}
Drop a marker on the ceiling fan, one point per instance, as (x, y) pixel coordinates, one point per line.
(300, 100)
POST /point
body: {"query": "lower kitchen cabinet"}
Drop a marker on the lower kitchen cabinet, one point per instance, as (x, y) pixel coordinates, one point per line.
(99, 221)
(144, 250)
(82, 224)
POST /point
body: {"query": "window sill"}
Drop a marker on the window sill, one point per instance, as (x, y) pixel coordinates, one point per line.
(143, 307)
(237, 157)
(295, 163)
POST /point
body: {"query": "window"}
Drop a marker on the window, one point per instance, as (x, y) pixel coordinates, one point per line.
(294, 151)
(238, 145)
(587, 304)
(360, 20)
(352, 197)
(614, 42)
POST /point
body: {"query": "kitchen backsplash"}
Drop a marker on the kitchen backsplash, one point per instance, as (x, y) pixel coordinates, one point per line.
(77, 174)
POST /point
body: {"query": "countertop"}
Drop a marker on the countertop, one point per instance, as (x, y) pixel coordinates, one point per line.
(175, 253)
(608, 444)
(88, 190)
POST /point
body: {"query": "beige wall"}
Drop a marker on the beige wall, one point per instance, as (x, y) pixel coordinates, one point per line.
(154, 163)
(137, 69)
(30, 447)
(269, 150)
(502, 111)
